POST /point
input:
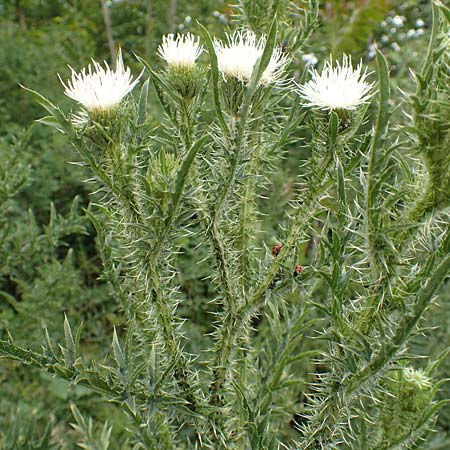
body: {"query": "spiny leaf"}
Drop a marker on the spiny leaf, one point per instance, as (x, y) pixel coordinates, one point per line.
(142, 109)
(118, 354)
(215, 77)
(69, 353)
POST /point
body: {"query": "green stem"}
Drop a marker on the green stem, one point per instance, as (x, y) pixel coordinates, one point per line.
(188, 128)
(223, 266)
(236, 151)
(318, 186)
(243, 113)
(168, 333)
(238, 144)
(87, 377)
(238, 319)
(414, 216)
(246, 222)
(154, 291)
(211, 228)
(215, 232)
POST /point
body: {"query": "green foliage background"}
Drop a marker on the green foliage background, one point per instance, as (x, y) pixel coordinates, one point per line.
(49, 262)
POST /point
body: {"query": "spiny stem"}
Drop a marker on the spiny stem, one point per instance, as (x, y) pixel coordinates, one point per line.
(234, 321)
(171, 344)
(87, 377)
(245, 220)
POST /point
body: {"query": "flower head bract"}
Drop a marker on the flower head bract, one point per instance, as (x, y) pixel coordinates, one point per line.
(181, 51)
(237, 58)
(100, 89)
(339, 87)
(418, 378)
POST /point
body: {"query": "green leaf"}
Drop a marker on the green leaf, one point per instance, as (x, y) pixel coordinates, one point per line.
(118, 354)
(304, 355)
(69, 354)
(384, 91)
(78, 338)
(341, 182)
(59, 118)
(433, 365)
(142, 109)
(427, 69)
(160, 87)
(49, 346)
(263, 61)
(215, 77)
(333, 130)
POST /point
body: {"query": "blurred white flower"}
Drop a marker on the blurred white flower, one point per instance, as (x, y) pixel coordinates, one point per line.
(310, 59)
(181, 51)
(420, 23)
(339, 87)
(398, 21)
(238, 57)
(371, 51)
(100, 89)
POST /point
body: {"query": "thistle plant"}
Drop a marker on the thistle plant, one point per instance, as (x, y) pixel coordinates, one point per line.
(309, 331)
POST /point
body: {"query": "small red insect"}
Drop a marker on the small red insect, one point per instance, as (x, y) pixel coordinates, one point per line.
(276, 249)
(298, 270)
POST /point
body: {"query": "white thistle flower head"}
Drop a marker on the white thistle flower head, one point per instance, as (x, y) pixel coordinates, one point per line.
(417, 377)
(181, 51)
(337, 88)
(237, 58)
(100, 89)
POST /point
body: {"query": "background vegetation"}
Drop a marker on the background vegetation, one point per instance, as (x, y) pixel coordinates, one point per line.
(49, 258)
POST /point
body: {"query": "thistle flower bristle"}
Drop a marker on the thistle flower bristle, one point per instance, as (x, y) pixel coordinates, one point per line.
(337, 88)
(100, 89)
(180, 51)
(417, 377)
(237, 58)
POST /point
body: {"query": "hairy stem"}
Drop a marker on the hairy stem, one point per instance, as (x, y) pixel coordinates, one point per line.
(234, 321)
